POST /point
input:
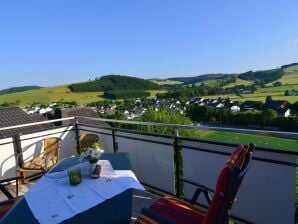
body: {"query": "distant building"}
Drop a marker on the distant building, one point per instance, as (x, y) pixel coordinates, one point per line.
(79, 111)
(248, 105)
(246, 91)
(276, 104)
(283, 112)
(235, 109)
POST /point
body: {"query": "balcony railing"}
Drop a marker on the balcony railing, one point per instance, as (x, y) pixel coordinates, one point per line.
(267, 194)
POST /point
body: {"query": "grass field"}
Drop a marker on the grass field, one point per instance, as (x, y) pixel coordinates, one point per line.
(277, 93)
(238, 82)
(291, 99)
(287, 78)
(154, 92)
(266, 141)
(291, 69)
(55, 94)
(165, 82)
(211, 83)
(49, 95)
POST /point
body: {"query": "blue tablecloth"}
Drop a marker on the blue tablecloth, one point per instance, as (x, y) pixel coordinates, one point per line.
(112, 211)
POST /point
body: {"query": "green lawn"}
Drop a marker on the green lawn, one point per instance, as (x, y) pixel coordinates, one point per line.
(154, 92)
(211, 83)
(259, 140)
(238, 82)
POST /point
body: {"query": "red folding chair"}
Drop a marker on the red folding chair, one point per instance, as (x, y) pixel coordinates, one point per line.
(169, 210)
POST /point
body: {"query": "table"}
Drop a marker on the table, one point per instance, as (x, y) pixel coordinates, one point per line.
(114, 210)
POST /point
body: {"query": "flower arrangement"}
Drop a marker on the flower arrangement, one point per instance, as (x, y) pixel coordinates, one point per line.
(91, 154)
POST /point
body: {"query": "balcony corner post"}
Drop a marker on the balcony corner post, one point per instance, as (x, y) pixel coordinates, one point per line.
(115, 143)
(77, 134)
(17, 150)
(178, 164)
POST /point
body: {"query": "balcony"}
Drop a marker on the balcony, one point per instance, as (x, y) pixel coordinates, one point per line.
(267, 194)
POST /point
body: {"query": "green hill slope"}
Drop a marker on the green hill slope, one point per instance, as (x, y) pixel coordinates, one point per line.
(239, 82)
(114, 82)
(18, 89)
(49, 95)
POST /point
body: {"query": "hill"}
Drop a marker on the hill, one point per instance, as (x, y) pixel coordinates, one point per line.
(262, 76)
(114, 82)
(18, 89)
(163, 82)
(265, 76)
(49, 95)
(290, 67)
(55, 94)
(238, 82)
(200, 78)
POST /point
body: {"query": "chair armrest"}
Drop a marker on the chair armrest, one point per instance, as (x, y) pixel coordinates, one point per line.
(156, 216)
(200, 188)
(196, 184)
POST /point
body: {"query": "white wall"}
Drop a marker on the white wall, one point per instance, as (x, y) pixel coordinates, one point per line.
(7, 159)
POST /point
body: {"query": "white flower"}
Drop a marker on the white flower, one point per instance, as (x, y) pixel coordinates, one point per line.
(90, 154)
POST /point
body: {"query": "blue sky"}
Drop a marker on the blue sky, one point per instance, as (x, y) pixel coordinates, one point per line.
(53, 42)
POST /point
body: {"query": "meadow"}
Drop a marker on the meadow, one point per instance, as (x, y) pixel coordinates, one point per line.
(287, 78)
(259, 140)
(165, 82)
(238, 82)
(49, 95)
(277, 93)
(54, 94)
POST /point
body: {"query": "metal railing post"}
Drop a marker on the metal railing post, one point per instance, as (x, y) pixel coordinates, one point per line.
(115, 143)
(17, 150)
(177, 164)
(77, 135)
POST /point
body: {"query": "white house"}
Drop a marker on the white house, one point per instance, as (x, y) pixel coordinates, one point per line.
(235, 108)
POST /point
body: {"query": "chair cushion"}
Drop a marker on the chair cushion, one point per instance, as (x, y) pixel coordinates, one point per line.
(178, 211)
(39, 163)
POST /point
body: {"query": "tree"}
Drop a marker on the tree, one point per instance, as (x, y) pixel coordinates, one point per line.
(269, 116)
(294, 107)
(276, 84)
(268, 98)
(287, 93)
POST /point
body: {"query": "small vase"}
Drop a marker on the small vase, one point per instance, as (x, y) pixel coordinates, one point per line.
(94, 170)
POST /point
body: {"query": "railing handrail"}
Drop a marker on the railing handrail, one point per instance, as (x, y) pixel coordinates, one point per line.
(240, 130)
(36, 123)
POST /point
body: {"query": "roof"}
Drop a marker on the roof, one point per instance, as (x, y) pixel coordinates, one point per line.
(11, 116)
(275, 104)
(84, 112)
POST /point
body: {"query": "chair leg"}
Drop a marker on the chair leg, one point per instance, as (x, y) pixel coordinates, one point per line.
(24, 180)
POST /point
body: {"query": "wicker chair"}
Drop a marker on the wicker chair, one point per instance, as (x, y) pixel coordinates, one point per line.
(86, 140)
(44, 162)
